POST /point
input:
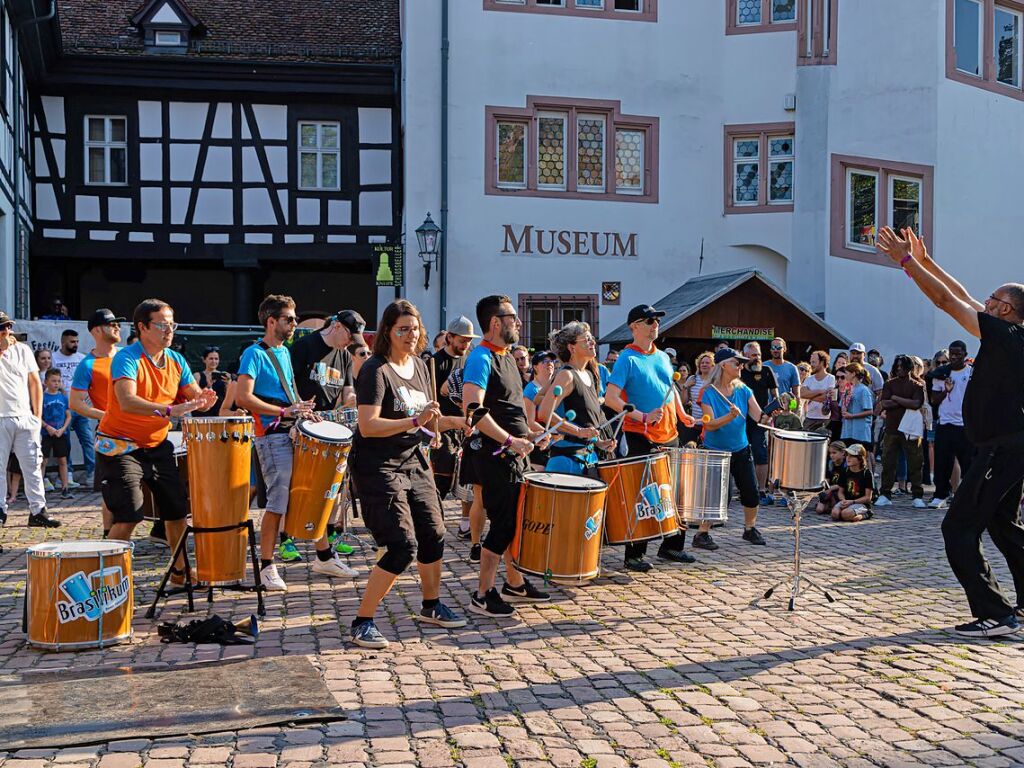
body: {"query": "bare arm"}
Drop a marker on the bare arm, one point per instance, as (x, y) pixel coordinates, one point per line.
(80, 404)
(472, 393)
(246, 398)
(35, 395)
(372, 424)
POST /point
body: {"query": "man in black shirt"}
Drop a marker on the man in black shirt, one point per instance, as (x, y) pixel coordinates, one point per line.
(762, 383)
(323, 364)
(457, 338)
(993, 414)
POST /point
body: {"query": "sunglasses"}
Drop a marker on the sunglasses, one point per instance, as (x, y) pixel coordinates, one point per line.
(292, 319)
(165, 326)
(507, 314)
(6, 326)
(777, 346)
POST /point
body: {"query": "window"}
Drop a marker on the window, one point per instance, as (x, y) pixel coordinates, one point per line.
(759, 167)
(320, 156)
(565, 148)
(543, 313)
(819, 25)
(637, 10)
(106, 150)
(745, 16)
(983, 44)
(167, 38)
(868, 194)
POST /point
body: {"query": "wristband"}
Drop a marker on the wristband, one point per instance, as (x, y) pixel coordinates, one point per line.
(415, 422)
(504, 446)
(643, 419)
(904, 260)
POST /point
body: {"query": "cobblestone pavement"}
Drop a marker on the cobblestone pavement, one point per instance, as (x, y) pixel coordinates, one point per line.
(681, 666)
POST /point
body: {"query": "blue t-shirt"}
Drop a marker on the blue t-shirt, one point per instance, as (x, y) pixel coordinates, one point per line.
(266, 383)
(530, 391)
(55, 409)
(730, 437)
(861, 400)
(786, 375)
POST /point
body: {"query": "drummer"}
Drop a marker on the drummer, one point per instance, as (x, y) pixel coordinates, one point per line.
(543, 364)
(400, 503)
(726, 402)
(643, 376)
(266, 388)
(581, 390)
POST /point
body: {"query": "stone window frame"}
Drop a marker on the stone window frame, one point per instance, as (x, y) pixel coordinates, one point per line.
(763, 131)
(526, 301)
(987, 80)
(733, 27)
(648, 12)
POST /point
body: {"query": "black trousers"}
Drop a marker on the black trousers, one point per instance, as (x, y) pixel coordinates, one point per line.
(951, 444)
(988, 499)
(639, 445)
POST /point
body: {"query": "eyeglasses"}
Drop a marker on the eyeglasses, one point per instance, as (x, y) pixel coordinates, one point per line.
(1003, 301)
(364, 353)
(508, 314)
(401, 330)
(584, 339)
(292, 319)
(165, 326)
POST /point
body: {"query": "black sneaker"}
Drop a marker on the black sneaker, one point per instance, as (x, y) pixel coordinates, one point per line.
(704, 541)
(40, 520)
(65, 493)
(474, 553)
(463, 534)
(752, 535)
(989, 627)
(637, 564)
(3, 517)
(525, 593)
(676, 555)
(491, 604)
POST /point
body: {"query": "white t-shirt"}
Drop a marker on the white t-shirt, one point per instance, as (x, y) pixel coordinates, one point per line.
(66, 364)
(877, 379)
(15, 366)
(816, 408)
(951, 409)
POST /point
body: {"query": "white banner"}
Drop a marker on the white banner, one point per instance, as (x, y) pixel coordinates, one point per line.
(45, 334)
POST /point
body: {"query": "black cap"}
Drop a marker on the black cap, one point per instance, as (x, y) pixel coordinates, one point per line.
(4, 319)
(351, 320)
(543, 356)
(728, 354)
(103, 317)
(642, 312)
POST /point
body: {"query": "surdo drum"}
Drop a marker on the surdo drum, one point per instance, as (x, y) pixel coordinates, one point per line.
(701, 481)
(318, 471)
(641, 504)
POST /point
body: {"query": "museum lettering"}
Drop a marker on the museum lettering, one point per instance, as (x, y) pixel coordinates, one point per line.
(529, 241)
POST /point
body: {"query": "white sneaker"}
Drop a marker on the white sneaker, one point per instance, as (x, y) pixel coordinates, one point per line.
(90, 480)
(48, 486)
(937, 504)
(919, 504)
(334, 568)
(883, 501)
(72, 484)
(271, 579)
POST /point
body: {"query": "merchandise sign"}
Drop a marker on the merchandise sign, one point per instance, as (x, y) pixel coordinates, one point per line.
(740, 333)
(389, 263)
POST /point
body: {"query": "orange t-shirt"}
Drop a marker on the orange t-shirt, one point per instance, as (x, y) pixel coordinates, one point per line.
(92, 376)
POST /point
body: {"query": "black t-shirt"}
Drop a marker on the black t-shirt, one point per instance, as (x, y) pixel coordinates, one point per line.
(444, 364)
(321, 372)
(994, 401)
(380, 384)
(760, 382)
(856, 484)
(219, 384)
(834, 473)
(498, 374)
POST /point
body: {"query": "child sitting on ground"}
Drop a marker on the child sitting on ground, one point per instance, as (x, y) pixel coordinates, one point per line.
(857, 487)
(788, 418)
(834, 475)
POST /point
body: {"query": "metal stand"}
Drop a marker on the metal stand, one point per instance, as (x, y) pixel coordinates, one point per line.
(801, 583)
(190, 587)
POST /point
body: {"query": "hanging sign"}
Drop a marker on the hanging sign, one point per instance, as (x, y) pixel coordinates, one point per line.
(745, 334)
(389, 265)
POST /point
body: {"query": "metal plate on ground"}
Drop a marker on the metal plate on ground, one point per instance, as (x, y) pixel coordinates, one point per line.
(63, 709)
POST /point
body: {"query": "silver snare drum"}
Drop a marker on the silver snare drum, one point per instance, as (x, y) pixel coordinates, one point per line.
(796, 460)
(348, 417)
(701, 483)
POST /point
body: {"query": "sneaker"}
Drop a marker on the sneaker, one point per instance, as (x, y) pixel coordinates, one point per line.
(919, 504)
(334, 568)
(491, 604)
(524, 593)
(366, 635)
(40, 520)
(271, 579)
(65, 493)
(48, 486)
(474, 553)
(3, 517)
(764, 500)
(72, 484)
(288, 552)
(442, 616)
(883, 501)
(704, 541)
(637, 564)
(90, 481)
(937, 503)
(754, 536)
(676, 555)
(989, 627)
(898, 492)
(337, 544)
(464, 535)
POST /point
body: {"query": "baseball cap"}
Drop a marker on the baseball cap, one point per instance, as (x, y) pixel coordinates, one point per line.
(642, 312)
(542, 356)
(4, 319)
(857, 450)
(351, 320)
(857, 347)
(462, 326)
(670, 352)
(103, 317)
(728, 354)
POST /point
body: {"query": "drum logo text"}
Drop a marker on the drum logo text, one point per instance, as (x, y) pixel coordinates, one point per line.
(592, 526)
(84, 601)
(655, 501)
(538, 526)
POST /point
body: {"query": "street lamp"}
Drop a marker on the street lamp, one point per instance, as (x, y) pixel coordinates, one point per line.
(428, 235)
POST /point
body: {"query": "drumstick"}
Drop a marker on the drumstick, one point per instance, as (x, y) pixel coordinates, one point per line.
(627, 408)
(436, 441)
(569, 416)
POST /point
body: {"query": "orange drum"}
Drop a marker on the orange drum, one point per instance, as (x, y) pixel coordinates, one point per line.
(641, 503)
(79, 594)
(318, 471)
(558, 526)
(219, 466)
(149, 510)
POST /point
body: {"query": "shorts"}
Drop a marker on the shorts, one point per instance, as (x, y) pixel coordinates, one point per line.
(12, 465)
(121, 478)
(501, 478)
(56, 447)
(275, 452)
(442, 459)
(467, 471)
(741, 467)
(758, 439)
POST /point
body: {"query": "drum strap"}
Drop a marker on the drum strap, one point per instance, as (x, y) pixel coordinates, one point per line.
(288, 386)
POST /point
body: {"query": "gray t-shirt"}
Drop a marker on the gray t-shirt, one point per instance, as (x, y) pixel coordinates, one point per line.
(16, 363)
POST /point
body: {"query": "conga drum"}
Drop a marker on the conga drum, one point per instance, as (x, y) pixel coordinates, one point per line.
(558, 526)
(79, 594)
(318, 471)
(149, 508)
(701, 482)
(640, 501)
(219, 460)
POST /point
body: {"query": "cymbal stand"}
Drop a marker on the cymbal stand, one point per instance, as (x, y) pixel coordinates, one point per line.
(797, 502)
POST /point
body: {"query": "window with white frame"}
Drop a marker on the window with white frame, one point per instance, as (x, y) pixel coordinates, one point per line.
(511, 142)
(969, 35)
(760, 15)
(760, 162)
(551, 161)
(1006, 36)
(167, 38)
(319, 155)
(818, 28)
(543, 313)
(984, 40)
(861, 209)
(106, 149)
(644, 10)
(905, 203)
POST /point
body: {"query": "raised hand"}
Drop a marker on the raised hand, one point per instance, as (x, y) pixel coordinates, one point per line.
(892, 245)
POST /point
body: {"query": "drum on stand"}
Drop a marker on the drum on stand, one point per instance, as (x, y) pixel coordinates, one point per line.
(149, 509)
(641, 505)
(558, 526)
(220, 458)
(796, 460)
(700, 480)
(79, 594)
(318, 471)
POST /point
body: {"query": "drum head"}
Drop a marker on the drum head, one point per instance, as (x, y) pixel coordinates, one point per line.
(326, 431)
(798, 437)
(176, 441)
(564, 482)
(629, 460)
(79, 548)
